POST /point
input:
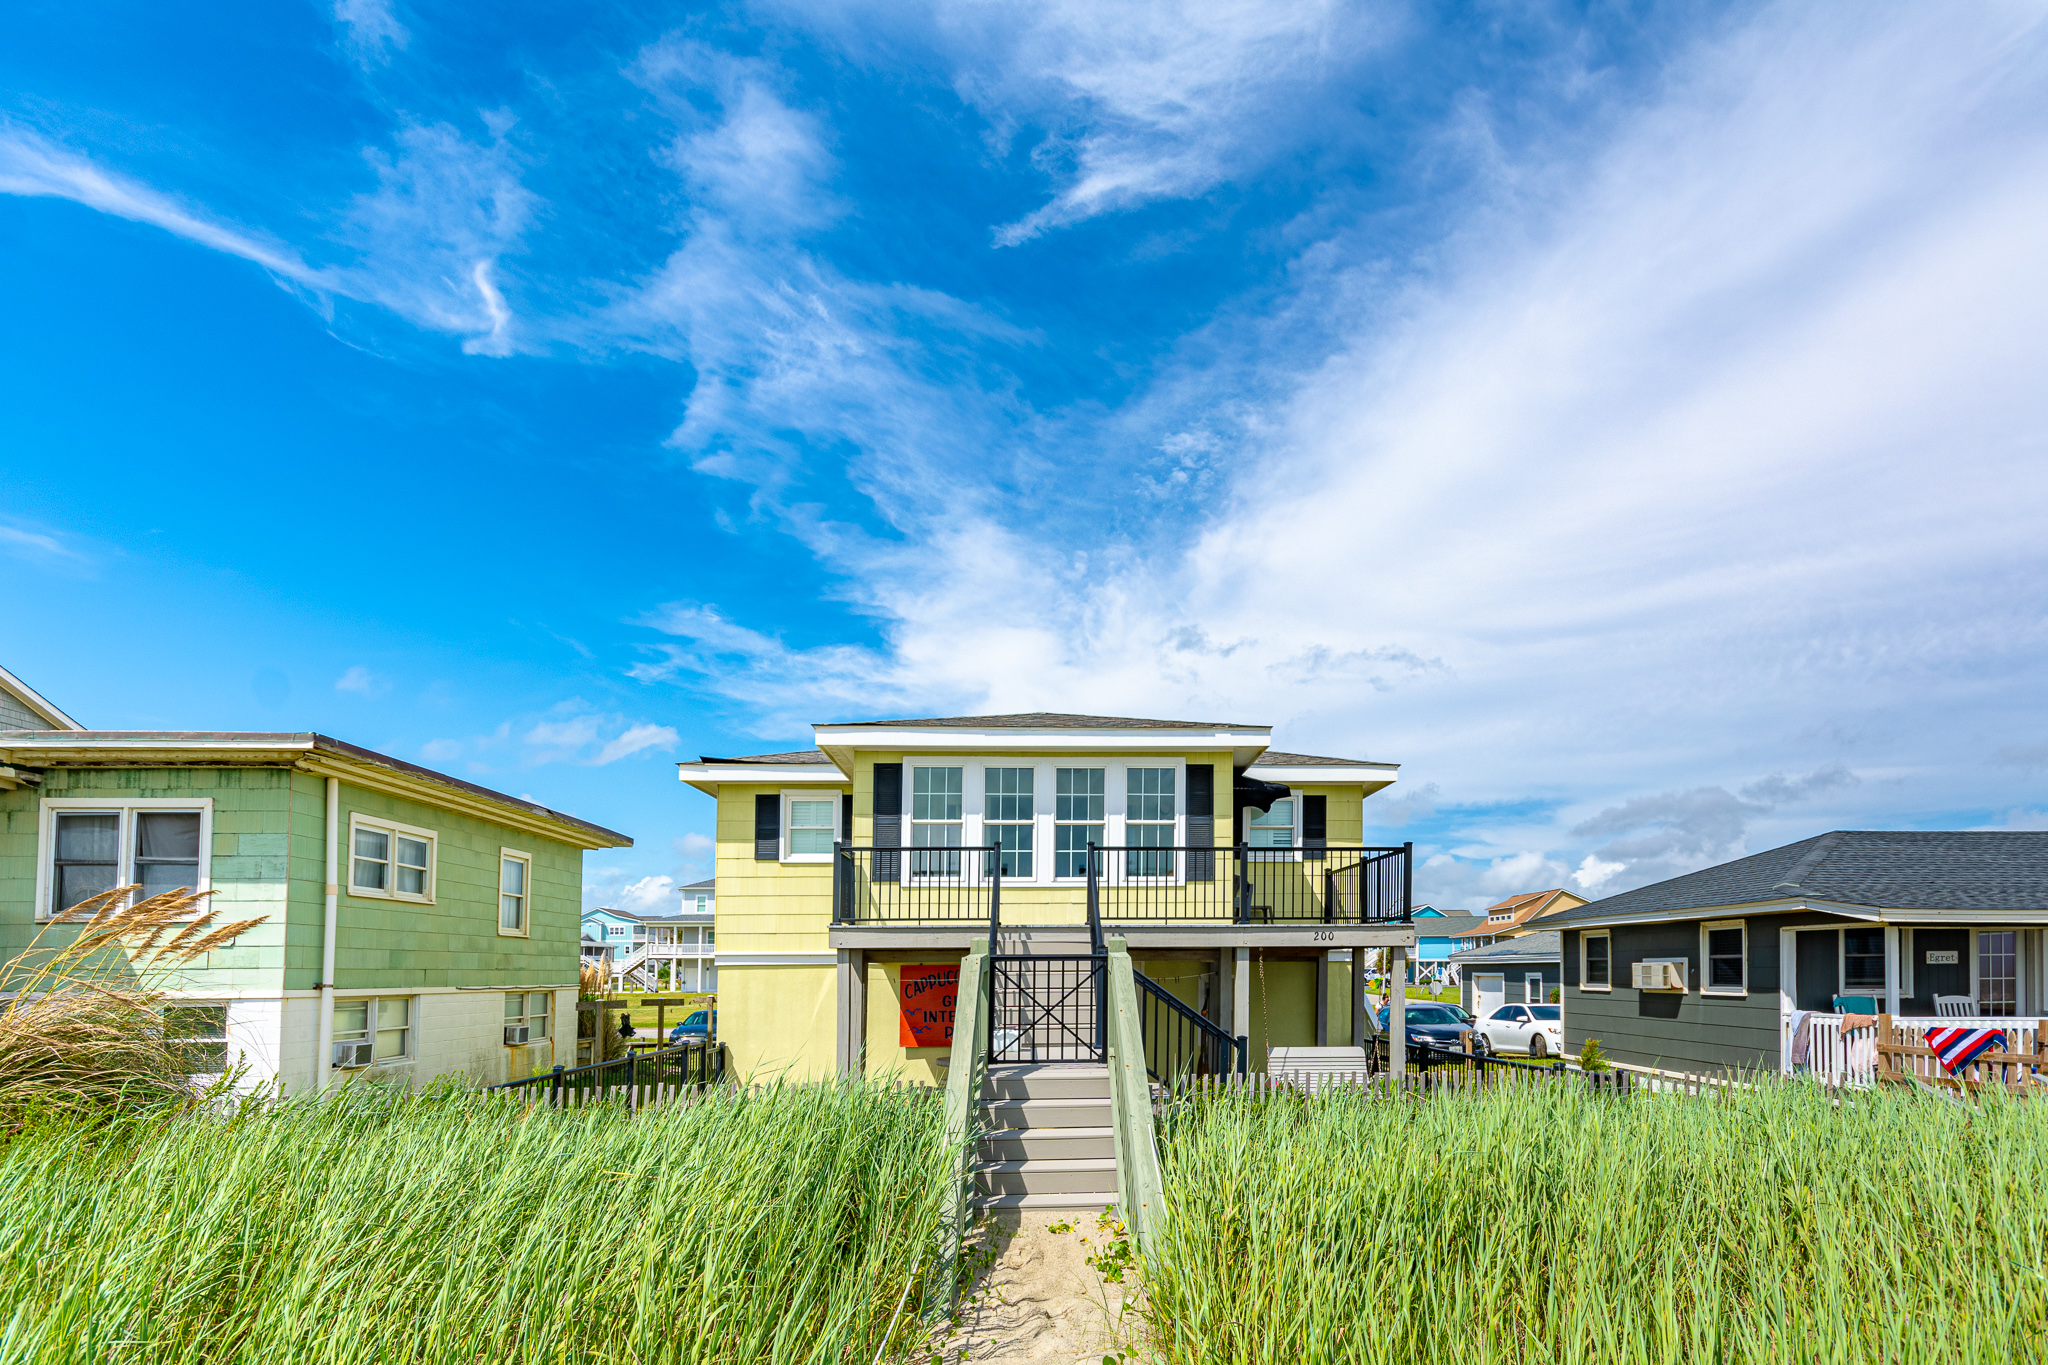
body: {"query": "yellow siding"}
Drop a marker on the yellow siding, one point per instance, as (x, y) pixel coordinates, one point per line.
(766, 907)
(887, 1057)
(778, 1021)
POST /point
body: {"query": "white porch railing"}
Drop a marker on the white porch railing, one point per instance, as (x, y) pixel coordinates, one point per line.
(1835, 1055)
(645, 961)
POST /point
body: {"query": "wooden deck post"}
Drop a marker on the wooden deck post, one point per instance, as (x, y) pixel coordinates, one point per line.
(1358, 997)
(1323, 998)
(1397, 1013)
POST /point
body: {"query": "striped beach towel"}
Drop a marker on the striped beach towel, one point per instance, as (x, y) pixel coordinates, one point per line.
(1958, 1047)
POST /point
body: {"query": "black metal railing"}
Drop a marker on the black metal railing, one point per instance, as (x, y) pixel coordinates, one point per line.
(1324, 884)
(1047, 1008)
(631, 1076)
(1180, 1041)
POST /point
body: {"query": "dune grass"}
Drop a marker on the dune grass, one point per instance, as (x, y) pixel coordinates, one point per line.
(1546, 1224)
(778, 1225)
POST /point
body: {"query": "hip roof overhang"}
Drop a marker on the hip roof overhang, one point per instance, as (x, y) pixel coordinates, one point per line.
(842, 742)
(306, 752)
(1869, 914)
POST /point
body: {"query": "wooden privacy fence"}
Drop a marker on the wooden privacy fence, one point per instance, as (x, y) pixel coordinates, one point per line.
(641, 1080)
(1902, 1056)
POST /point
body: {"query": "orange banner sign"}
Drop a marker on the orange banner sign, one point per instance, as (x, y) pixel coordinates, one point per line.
(928, 991)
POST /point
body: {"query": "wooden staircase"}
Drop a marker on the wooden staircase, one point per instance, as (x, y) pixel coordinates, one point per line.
(1046, 1138)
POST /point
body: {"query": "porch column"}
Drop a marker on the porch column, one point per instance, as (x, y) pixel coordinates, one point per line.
(1891, 969)
(1225, 996)
(1358, 997)
(1241, 995)
(1397, 1013)
(1323, 998)
(853, 1011)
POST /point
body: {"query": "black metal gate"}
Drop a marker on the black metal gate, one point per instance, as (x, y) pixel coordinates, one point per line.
(1048, 1009)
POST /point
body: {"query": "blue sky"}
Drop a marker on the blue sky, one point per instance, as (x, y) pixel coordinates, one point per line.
(1629, 418)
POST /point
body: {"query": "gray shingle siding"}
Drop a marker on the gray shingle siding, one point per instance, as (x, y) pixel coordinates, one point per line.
(15, 716)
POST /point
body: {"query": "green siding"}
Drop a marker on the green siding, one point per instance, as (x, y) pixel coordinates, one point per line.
(268, 860)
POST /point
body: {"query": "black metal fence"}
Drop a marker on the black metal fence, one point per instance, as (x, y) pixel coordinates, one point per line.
(1046, 1008)
(1179, 1040)
(640, 1077)
(1324, 884)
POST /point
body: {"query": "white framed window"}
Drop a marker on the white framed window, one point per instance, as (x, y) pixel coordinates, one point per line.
(390, 860)
(91, 844)
(197, 1031)
(1863, 961)
(1724, 948)
(810, 822)
(1009, 817)
(515, 881)
(1596, 961)
(1079, 818)
(937, 818)
(372, 1029)
(526, 1016)
(1150, 811)
(1277, 826)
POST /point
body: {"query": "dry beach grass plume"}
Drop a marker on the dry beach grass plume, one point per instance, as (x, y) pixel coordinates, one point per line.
(82, 1023)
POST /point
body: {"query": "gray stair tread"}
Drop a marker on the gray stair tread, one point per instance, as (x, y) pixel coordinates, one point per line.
(996, 1203)
(1061, 1102)
(1071, 1163)
(1065, 1134)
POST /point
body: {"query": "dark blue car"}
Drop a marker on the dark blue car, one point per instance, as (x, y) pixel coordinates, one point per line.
(1433, 1030)
(700, 1027)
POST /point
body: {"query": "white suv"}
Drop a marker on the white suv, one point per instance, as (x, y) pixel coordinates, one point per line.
(1535, 1029)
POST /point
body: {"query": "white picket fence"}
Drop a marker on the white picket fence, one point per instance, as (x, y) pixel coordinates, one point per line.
(633, 1097)
(1848, 1056)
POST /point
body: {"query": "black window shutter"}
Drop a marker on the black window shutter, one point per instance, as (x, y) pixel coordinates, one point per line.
(1201, 822)
(846, 818)
(767, 828)
(888, 819)
(1315, 823)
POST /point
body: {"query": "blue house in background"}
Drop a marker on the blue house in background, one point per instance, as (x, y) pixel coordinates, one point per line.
(1440, 933)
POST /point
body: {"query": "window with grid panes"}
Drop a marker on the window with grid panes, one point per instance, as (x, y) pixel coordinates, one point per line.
(935, 820)
(1862, 960)
(1998, 972)
(1148, 821)
(198, 1035)
(1006, 817)
(385, 1020)
(529, 1008)
(1725, 971)
(813, 824)
(1077, 818)
(390, 860)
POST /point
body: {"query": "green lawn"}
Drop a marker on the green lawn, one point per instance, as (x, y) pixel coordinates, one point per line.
(644, 1015)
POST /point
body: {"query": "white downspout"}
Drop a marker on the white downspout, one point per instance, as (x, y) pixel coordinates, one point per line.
(323, 999)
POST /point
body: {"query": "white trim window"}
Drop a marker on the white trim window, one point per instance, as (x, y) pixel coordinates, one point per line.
(1078, 817)
(389, 860)
(385, 1022)
(92, 844)
(527, 1010)
(810, 822)
(937, 819)
(1009, 817)
(1596, 961)
(1150, 812)
(515, 890)
(1863, 961)
(1276, 827)
(1724, 949)
(197, 1031)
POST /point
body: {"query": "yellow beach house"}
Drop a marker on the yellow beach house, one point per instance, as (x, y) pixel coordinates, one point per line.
(855, 875)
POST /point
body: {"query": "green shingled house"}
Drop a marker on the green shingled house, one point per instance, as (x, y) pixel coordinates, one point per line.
(414, 924)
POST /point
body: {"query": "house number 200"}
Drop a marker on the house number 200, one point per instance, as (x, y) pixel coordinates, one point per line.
(1325, 936)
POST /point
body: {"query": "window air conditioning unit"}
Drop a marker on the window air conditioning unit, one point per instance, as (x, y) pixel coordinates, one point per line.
(515, 1034)
(352, 1054)
(1659, 974)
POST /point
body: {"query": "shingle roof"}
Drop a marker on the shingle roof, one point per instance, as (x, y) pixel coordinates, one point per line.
(1273, 759)
(1451, 924)
(1884, 869)
(1529, 947)
(800, 756)
(708, 884)
(1055, 720)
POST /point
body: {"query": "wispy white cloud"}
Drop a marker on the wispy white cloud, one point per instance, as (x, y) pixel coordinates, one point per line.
(41, 547)
(370, 30)
(423, 244)
(360, 680)
(1142, 102)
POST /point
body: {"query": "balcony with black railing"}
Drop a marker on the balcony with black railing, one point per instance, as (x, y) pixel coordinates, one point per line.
(1170, 884)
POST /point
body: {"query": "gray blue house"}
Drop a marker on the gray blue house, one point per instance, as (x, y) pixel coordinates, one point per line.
(1760, 961)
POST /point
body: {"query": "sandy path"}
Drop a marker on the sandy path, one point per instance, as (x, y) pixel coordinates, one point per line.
(1039, 1300)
